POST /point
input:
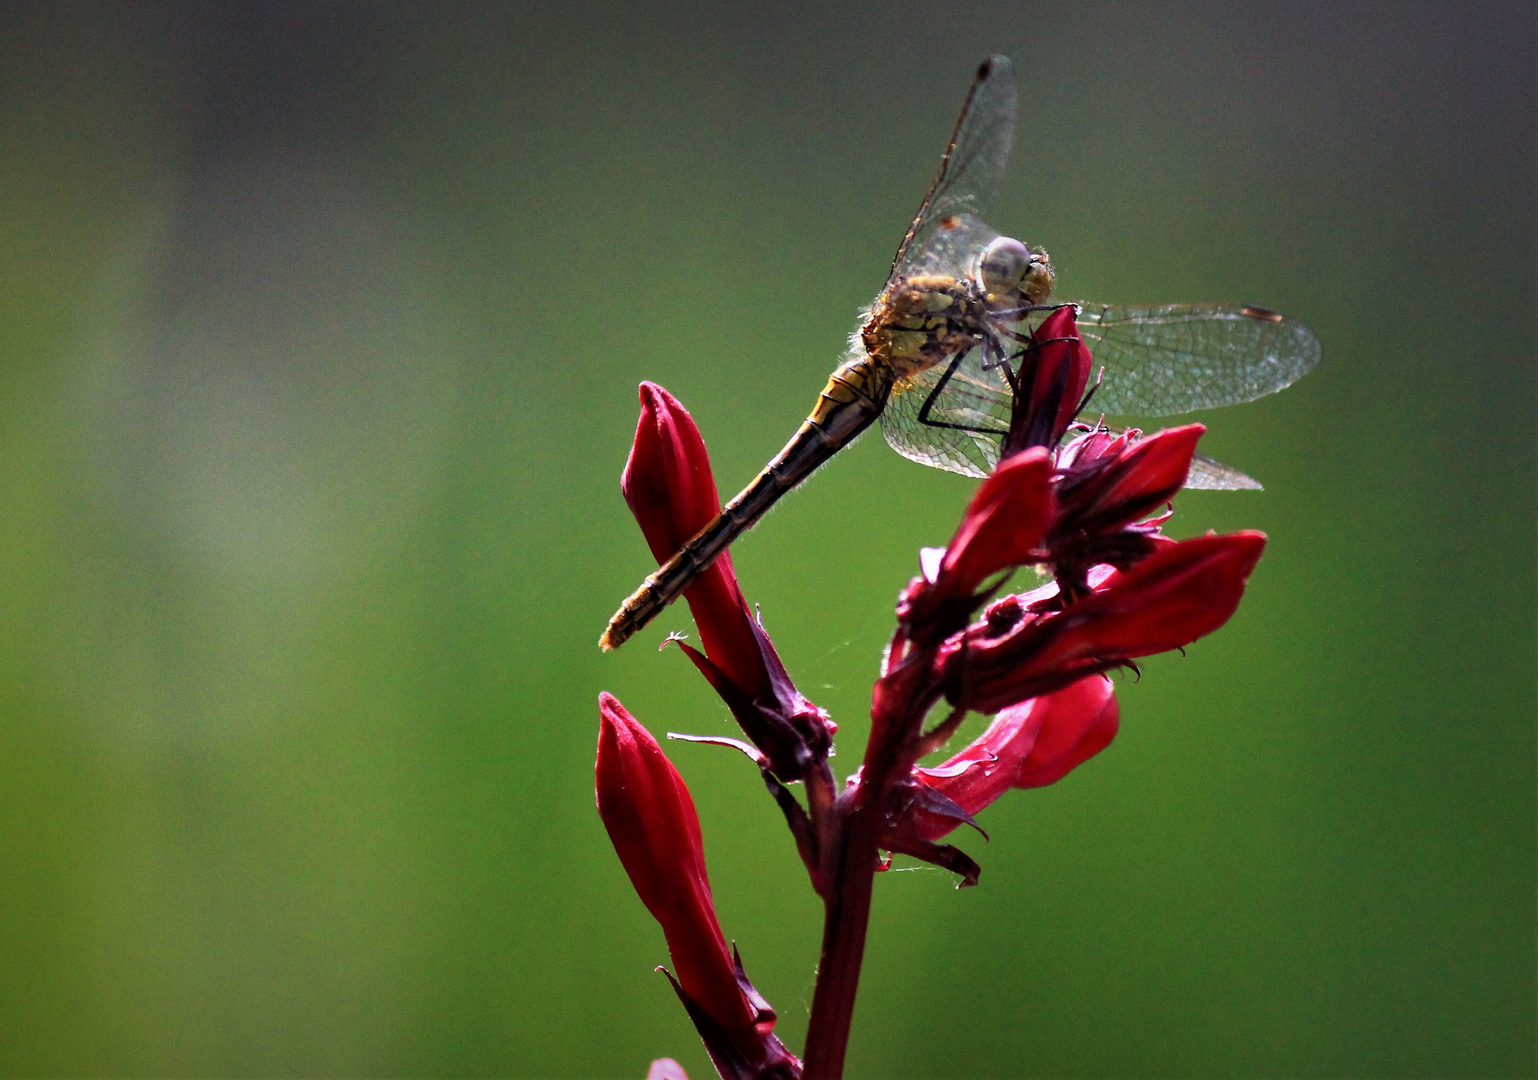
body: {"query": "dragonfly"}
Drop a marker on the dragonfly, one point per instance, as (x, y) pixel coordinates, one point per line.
(931, 357)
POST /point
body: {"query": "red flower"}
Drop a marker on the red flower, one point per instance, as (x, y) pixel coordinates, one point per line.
(651, 821)
(1106, 483)
(1049, 390)
(1034, 743)
(668, 486)
(1181, 592)
(670, 489)
(1113, 481)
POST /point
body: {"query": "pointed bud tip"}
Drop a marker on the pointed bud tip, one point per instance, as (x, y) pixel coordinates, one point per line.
(649, 391)
(616, 727)
(1250, 544)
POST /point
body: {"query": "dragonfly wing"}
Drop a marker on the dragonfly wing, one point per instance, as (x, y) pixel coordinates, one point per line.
(1209, 475)
(966, 421)
(970, 174)
(950, 247)
(1172, 358)
(969, 416)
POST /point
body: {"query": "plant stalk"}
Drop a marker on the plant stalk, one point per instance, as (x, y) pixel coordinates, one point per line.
(858, 817)
(847, 915)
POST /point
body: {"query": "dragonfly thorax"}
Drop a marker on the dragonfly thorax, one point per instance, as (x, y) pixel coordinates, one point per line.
(921, 320)
(1007, 269)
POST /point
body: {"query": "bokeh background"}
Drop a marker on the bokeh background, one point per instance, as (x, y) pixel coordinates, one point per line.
(320, 326)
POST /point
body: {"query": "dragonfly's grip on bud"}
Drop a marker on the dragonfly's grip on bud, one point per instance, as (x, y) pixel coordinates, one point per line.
(853, 398)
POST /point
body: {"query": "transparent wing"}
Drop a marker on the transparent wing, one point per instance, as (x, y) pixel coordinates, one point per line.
(968, 180)
(1209, 475)
(1172, 358)
(950, 247)
(967, 418)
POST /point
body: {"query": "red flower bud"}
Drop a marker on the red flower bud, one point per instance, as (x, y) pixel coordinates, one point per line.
(1034, 743)
(1054, 371)
(651, 821)
(670, 489)
(653, 825)
(1179, 593)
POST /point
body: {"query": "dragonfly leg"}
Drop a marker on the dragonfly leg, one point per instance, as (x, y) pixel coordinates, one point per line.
(1031, 344)
(1002, 360)
(1090, 393)
(926, 409)
(1029, 309)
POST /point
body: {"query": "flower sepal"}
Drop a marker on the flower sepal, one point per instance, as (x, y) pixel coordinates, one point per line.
(791, 731)
(911, 803)
(767, 1059)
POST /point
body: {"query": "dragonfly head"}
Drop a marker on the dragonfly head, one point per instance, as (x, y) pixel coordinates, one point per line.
(1007, 268)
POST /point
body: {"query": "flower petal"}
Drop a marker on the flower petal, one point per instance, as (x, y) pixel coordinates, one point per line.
(1034, 743)
(1003, 524)
(1181, 592)
(1081, 721)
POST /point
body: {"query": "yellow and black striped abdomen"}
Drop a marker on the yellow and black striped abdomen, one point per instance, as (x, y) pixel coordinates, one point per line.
(852, 399)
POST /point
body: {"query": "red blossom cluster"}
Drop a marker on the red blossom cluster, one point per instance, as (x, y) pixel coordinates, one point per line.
(1067, 499)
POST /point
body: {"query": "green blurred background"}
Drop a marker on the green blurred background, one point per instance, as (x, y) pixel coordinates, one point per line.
(320, 326)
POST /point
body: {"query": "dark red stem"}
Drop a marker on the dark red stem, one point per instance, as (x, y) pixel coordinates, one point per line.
(847, 914)
(851, 865)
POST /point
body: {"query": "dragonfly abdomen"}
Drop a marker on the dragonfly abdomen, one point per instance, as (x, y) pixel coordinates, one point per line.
(849, 403)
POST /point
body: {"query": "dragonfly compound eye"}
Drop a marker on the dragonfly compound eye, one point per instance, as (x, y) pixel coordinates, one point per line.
(1002, 264)
(1036, 283)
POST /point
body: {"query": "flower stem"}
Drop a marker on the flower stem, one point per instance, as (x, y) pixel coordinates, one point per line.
(852, 870)
(847, 914)
(902, 698)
